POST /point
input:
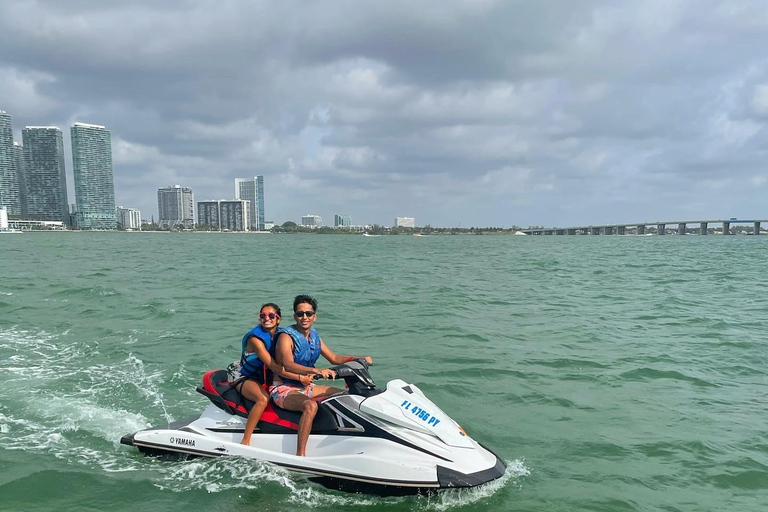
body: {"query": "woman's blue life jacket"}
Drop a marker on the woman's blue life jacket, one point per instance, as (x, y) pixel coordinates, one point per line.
(305, 351)
(251, 366)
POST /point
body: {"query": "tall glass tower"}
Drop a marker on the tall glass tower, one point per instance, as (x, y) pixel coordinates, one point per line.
(45, 184)
(94, 180)
(10, 196)
(252, 189)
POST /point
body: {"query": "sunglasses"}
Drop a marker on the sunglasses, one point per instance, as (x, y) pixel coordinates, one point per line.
(300, 314)
(271, 316)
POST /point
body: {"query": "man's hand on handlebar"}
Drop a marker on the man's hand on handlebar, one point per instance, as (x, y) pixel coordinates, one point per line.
(325, 373)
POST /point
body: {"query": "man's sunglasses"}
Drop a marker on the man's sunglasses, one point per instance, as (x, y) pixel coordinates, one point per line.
(271, 316)
(300, 314)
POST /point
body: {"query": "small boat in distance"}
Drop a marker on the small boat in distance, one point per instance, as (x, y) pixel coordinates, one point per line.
(368, 234)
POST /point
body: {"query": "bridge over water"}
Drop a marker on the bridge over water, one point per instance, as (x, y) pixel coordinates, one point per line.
(641, 228)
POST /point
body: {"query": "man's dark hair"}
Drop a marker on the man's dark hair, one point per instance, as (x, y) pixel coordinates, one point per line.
(273, 306)
(302, 299)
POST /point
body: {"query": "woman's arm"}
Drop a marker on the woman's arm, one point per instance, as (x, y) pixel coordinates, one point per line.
(257, 345)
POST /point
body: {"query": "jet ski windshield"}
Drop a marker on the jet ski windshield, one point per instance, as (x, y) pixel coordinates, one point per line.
(357, 378)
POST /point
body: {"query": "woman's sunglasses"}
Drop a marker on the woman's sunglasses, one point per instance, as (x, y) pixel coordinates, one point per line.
(271, 316)
(300, 314)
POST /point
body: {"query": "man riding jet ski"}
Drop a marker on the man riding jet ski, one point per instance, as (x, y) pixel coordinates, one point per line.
(387, 442)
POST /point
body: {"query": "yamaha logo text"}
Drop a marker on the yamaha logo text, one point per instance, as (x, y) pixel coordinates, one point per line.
(182, 441)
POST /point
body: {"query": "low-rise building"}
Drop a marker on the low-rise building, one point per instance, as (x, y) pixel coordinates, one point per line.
(405, 222)
(342, 221)
(311, 221)
(128, 218)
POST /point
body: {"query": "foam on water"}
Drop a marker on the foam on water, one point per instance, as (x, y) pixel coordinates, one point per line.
(109, 424)
(446, 500)
(227, 474)
(59, 393)
(217, 475)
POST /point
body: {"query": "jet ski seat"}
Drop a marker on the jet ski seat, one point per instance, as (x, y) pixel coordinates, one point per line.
(223, 395)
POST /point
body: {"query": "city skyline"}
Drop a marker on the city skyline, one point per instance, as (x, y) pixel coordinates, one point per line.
(93, 178)
(553, 114)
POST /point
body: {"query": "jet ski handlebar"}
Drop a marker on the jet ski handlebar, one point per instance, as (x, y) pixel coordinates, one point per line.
(356, 376)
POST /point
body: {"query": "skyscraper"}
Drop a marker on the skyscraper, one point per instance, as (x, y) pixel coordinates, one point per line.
(252, 189)
(176, 205)
(18, 151)
(45, 183)
(94, 179)
(10, 196)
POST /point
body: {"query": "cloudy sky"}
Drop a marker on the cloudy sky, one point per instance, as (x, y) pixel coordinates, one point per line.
(475, 113)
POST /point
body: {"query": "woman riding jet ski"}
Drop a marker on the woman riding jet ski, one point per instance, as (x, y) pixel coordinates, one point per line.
(387, 442)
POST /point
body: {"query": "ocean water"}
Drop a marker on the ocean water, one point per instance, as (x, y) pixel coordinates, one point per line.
(610, 373)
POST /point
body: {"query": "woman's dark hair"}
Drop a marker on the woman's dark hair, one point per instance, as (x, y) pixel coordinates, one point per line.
(302, 299)
(273, 306)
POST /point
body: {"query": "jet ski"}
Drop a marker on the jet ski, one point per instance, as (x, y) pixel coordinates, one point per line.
(393, 441)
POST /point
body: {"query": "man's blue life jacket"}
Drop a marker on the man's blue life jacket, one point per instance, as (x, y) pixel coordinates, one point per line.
(305, 352)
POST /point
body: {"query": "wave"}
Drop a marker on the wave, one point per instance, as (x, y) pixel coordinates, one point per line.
(642, 374)
(158, 310)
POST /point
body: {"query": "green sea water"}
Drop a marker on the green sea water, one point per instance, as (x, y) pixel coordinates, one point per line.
(610, 373)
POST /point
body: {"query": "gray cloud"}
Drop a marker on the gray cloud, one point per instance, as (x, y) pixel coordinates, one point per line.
(480, 113)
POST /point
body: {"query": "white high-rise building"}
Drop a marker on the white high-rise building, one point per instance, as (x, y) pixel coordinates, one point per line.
(176, 206)
(405, 222)
(128, 218)
(252, 189)
(312, 221)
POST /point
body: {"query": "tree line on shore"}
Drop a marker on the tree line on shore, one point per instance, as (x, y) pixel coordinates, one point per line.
(374, 229)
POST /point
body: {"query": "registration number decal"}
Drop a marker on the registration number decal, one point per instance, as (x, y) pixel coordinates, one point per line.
(420, 413)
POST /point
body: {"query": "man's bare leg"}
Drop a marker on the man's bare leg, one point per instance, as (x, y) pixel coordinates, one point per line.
(320, 392)
(296, 401)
